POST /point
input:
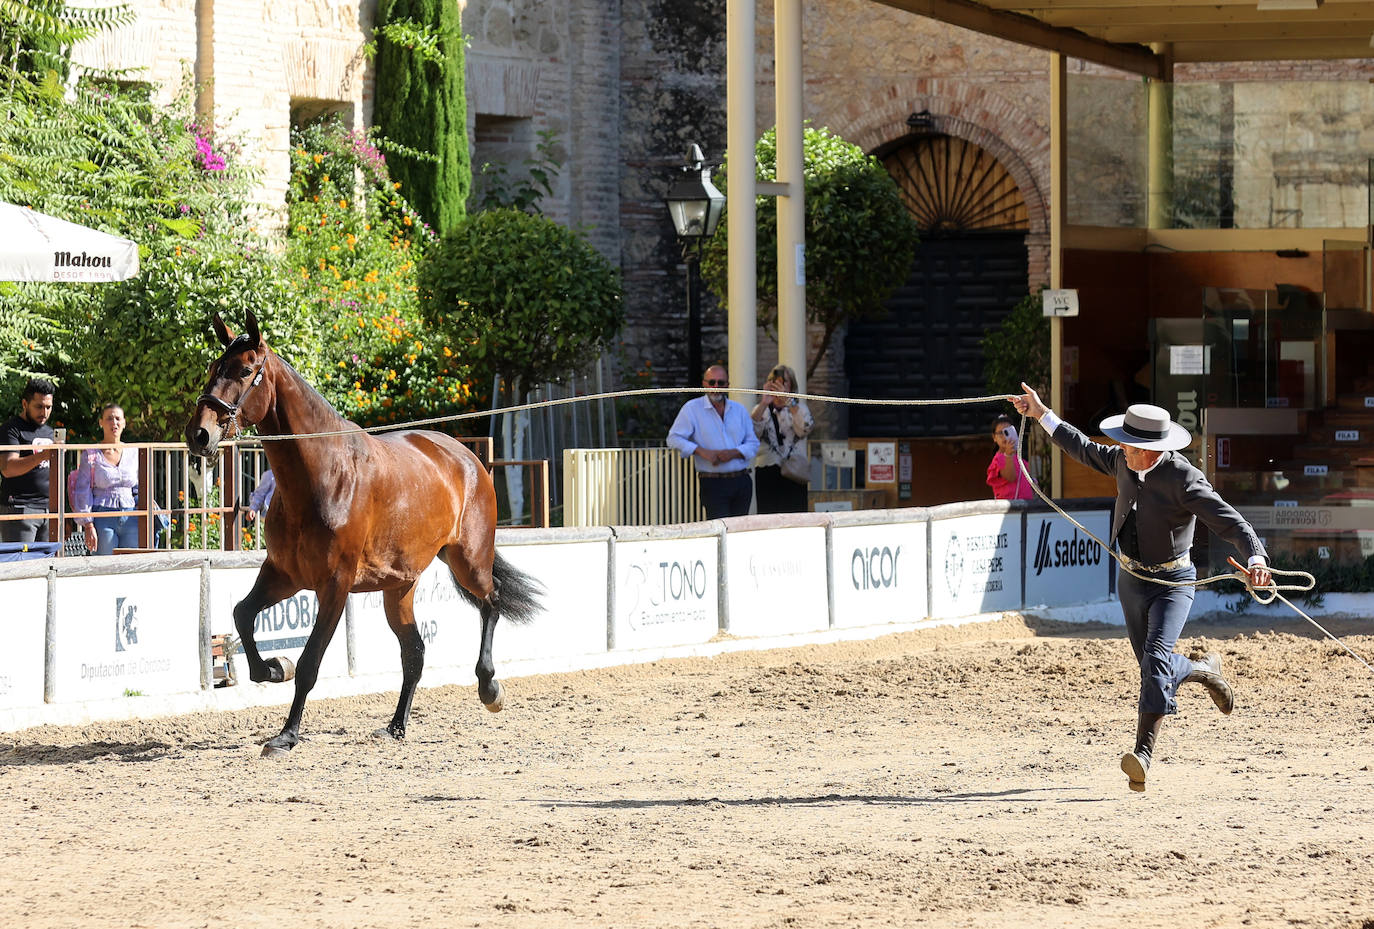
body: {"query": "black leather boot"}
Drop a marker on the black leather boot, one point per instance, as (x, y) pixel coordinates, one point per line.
(1137, 763)
(1208, 674)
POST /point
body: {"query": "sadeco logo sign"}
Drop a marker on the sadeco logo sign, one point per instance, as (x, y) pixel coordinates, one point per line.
(1072, 552)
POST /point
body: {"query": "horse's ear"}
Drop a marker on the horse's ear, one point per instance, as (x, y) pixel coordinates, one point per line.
(221, 330)
(252, 329)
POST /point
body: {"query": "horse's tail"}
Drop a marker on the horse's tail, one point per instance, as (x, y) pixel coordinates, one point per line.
(517, 595)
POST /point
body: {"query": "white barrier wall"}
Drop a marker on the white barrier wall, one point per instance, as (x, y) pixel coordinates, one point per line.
(776, 581)
(879, 573)
(975, 565)
(22, 631)
(448, 624)
(126, 635)
(575, 599)
(83, 630)
(666, 592)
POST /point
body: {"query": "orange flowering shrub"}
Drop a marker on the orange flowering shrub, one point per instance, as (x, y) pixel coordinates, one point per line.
(354, 244)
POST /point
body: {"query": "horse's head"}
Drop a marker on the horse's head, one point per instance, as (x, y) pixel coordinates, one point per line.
(234, 394)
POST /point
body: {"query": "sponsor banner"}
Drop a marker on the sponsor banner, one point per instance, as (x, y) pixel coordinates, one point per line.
(1063, 565)
(573, 621)
(777, 581)
(449, 625)
(281, 629)
(574, 598)
(879, 573)
(127, 634)
(666, 592)
(975, 565)
(1292, 517)
(22, 638)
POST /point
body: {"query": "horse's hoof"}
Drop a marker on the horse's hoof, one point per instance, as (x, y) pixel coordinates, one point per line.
(283, 669)
(386, 732)
(274, 751)
(497, 702)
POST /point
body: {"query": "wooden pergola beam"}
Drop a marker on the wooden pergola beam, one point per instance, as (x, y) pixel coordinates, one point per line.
(1026, 30)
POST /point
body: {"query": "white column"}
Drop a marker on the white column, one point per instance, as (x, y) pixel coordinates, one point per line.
(1058, 217)
(740, 189)
(787, 51)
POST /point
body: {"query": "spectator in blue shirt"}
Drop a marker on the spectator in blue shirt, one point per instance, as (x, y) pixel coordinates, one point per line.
(718, 434)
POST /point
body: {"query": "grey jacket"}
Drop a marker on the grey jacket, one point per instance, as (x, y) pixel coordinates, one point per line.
(1168, 503)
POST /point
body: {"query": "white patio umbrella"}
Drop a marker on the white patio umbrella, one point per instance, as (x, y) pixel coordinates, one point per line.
(37, 247)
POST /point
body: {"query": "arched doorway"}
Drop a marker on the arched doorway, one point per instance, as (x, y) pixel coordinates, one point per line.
(966, 275)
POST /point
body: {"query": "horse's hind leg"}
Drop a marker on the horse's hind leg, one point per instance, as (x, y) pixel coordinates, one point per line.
(485, 589)
(272, 586)
(489, 689)
(332, 602)
(400, 615)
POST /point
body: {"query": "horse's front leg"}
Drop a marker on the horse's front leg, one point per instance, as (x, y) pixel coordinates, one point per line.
(332, 602)
(272, 586)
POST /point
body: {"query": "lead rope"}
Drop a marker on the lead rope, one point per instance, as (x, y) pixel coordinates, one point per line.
(1262, 595)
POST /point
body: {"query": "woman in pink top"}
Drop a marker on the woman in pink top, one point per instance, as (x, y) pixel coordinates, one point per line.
(107, 481)
(1005, 477)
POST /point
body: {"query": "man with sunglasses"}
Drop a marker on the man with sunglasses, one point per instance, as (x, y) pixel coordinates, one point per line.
(718, 433)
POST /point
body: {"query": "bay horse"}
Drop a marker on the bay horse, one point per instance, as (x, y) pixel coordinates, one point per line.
(354, 512)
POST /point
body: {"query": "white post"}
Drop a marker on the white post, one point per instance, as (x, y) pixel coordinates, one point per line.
(741, 190)
(792, 348)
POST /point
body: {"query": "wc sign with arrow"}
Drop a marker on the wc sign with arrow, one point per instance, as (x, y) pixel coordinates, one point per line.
(1059, 302)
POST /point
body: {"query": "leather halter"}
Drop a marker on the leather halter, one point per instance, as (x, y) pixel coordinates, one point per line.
(231, 410)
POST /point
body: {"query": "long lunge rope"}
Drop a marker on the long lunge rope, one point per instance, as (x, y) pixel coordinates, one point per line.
(1273, 591)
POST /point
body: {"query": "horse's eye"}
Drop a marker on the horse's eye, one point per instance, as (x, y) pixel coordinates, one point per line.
(245, 371)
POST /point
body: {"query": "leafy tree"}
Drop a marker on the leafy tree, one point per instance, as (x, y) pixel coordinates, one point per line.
(1018, 349)
(421, 105)
(859, 236)
(101, 155)
(524, 297)
(151, 341)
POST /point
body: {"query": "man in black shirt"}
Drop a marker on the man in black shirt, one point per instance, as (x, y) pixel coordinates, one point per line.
(24, 473)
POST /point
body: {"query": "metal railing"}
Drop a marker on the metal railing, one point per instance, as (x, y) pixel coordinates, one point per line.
(629, 487)
(188, 503)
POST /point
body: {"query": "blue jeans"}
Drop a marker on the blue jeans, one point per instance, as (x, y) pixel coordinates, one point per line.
(1154, 620)
(113, 532)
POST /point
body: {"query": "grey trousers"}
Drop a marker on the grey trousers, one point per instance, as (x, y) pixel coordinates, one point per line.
(1155, 615)
(23, 530)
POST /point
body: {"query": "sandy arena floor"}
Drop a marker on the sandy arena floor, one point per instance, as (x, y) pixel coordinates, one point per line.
(962, 777)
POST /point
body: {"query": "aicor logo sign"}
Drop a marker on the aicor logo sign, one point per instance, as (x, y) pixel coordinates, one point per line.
(874, 568)
(1075, 551)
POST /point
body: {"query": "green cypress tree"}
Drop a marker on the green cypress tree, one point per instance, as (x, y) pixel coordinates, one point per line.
(421, 106)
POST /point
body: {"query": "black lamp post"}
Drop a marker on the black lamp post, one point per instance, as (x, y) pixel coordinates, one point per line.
(695, 206)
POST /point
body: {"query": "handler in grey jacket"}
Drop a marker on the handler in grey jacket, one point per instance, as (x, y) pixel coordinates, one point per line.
(1159, 497)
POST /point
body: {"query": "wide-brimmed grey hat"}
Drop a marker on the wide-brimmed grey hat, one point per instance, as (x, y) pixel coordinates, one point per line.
(1146, 426)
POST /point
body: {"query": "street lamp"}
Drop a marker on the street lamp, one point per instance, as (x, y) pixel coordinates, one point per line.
(695, 205)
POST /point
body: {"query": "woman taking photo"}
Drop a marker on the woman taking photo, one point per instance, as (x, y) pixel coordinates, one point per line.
(107, 482)
(783, 466)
